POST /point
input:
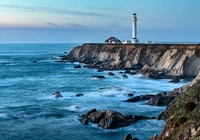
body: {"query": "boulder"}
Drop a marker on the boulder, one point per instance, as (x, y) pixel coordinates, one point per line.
(139, 98)
(111, 74)
(127, 71)
(100, 70)
(78, 95)
(108, 119)
(176, 79)
(77, 66)
(98, 76)
(57, 95)
(124, 76)
(160, 100)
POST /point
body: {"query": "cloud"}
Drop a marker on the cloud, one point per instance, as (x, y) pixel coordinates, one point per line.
(50, 10)
(76, 25)
(52, 24)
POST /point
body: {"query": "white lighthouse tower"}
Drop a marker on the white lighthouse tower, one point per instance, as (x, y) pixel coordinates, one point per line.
(134, 29)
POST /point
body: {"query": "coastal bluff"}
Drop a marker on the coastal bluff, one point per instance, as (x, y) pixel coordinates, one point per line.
(172, 59)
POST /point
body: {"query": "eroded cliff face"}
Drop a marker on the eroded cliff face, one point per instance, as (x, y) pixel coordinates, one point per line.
(176, 59)
(183, 115)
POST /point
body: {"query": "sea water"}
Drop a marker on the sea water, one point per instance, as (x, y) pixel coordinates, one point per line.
(29, 111)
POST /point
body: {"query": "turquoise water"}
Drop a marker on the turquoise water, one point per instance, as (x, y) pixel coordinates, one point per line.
(29, 111)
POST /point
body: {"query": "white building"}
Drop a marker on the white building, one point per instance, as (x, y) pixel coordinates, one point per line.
(134, 29)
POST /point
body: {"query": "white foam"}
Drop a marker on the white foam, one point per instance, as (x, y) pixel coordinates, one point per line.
(3, 116)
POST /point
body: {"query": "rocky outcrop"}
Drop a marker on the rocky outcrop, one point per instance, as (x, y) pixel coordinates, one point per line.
(169, 59)
(183, 115)
(160, 99)
(108, 119)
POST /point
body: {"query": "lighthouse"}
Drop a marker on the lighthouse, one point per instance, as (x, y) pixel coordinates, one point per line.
(134, 29)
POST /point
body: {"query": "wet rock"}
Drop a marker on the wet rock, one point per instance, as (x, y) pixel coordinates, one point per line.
(129, 137)
(91, 111)
(108, 119)
(6, 63)
(77, 66)
(98, 76)
(79, 95)
(139, 98)
(127, 71)
(100, 70)
(34, 61)
(130, 94)
(120, 72)
(161, 116)
(176, 79)
(111, 74)
(57, 95)
(124, 76)
(160, 100)
(84, 119)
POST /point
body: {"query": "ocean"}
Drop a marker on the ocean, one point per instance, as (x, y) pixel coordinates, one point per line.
(29, 111)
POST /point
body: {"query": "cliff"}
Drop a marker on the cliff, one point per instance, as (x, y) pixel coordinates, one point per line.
(174, 59)
(183, 115)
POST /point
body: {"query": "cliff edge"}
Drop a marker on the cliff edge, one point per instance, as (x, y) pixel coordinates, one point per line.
(173, 59)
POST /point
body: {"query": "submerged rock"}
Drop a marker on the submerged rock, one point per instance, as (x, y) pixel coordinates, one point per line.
(77, 66)
(111, 74)
(98, 76)
(79, 95)
(124, 76)
(57, 95)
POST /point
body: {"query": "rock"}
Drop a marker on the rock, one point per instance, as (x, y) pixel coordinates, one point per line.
(108, 119)
(98, 76)
(124, 76)
(57, 95)
(84, 119)
(161, 116)
(111, 74)
(155, 137)
(188, 107)
(90, 111)
(127, 71)
(77, 66)
(120, 72)
(160, 100)
(176, 79)
(100, 70)
(139, 98)
(130, 94)
(34, 61)
(78, 95)
(129, 137)
(6, 63)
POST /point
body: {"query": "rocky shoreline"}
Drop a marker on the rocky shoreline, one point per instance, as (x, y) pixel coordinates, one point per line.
(154, 61)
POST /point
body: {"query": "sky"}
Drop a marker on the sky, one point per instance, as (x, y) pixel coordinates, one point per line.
(83, 21)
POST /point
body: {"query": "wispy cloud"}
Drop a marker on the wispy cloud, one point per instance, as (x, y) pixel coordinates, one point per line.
(75, 25)
(52, 24)
(50, 10)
